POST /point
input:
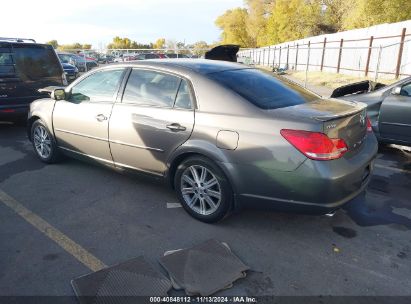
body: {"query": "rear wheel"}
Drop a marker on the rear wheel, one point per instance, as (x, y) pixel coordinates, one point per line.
(43, 143)
(203, 189)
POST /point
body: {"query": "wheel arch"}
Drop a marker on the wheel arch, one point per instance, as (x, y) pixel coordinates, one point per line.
(30, 123)
(215, 155)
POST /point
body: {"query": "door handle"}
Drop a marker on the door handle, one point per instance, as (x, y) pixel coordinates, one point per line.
(176, 127)
(101, 117)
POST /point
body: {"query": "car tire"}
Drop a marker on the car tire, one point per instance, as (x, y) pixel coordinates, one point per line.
(203, 189)
(44, 143)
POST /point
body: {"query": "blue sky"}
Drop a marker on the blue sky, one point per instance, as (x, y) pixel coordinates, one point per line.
(98, 21)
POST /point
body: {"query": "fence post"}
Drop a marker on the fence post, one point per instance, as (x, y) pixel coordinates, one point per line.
(377, 67)
(263, 56)
(296, 58)
(339, 55)
(275, 48)
(279, 58)
(288, 54)
(397, 70)
(269, 53)
(322, 56)
(367, 66)
(259, 57)
(308, 62)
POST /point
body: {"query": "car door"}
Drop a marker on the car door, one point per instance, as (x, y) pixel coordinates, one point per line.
(395, 115)
(156, 116)
(81, 122)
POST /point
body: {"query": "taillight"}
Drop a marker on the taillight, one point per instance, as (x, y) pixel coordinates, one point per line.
(315, 145)
(369, 127)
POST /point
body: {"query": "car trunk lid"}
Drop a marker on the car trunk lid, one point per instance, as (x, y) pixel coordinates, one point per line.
(335, 118)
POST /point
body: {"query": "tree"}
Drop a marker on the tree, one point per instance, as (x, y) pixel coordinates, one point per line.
(53, 43)
(366, 13)
(334, 14)
(294, 19)
(74, 46)
(233, 23)
(160, 43)
(256, 24)
(199, 48)
(264, 22)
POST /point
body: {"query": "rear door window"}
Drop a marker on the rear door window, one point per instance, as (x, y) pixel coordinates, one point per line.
(184, 99)
(34, 62)
(151, 88)
(262, 89)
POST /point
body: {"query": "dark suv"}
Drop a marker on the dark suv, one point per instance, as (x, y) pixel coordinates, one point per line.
(25, 67)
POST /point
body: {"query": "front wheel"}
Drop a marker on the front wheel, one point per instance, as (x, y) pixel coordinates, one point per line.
(43, 143)
(203, 189)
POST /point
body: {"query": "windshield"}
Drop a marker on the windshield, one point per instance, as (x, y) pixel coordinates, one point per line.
(262, 88)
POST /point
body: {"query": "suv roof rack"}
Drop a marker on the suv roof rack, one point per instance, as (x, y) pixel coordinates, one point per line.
(17, 39)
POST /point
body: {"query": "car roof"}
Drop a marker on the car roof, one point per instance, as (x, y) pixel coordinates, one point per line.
(201, 66)
(25, 44)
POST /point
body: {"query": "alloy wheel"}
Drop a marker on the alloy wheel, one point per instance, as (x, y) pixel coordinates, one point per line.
(42, 141)
(200, 189)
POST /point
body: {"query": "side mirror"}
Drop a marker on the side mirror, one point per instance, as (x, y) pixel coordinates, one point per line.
(396, 91)
(58, 94)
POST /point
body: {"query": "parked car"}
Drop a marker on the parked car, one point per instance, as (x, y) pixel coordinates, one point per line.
(173, 55)
(71, 71)
(105, 58)
(148, 56)
(79, 61)
(226, 52)
(25, 67)
(224, 135)
(389, 108)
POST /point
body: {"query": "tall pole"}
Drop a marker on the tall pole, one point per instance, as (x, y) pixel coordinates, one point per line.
(308, 62)
(378, 64)
(397, 70)
(367, 65)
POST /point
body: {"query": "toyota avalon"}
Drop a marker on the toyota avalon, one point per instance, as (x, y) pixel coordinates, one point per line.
(222, 134)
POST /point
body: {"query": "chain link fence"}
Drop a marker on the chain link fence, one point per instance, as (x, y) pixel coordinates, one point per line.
(373, 57)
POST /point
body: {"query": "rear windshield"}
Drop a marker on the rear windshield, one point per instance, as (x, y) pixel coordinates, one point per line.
(36, 61)
(262, 89)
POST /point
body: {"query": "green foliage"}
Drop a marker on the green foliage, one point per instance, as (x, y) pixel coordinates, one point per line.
(160, 43)
(126, 43)
(233, 23)
(74, 46)
(371, 12)
(53, 43)
(293, 19)
(199, 48)
(264, 22)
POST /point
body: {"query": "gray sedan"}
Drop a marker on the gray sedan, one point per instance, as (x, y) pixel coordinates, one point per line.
(222, 134)
(389, 108)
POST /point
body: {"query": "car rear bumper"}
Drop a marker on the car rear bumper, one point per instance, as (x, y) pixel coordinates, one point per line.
(315, 186)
